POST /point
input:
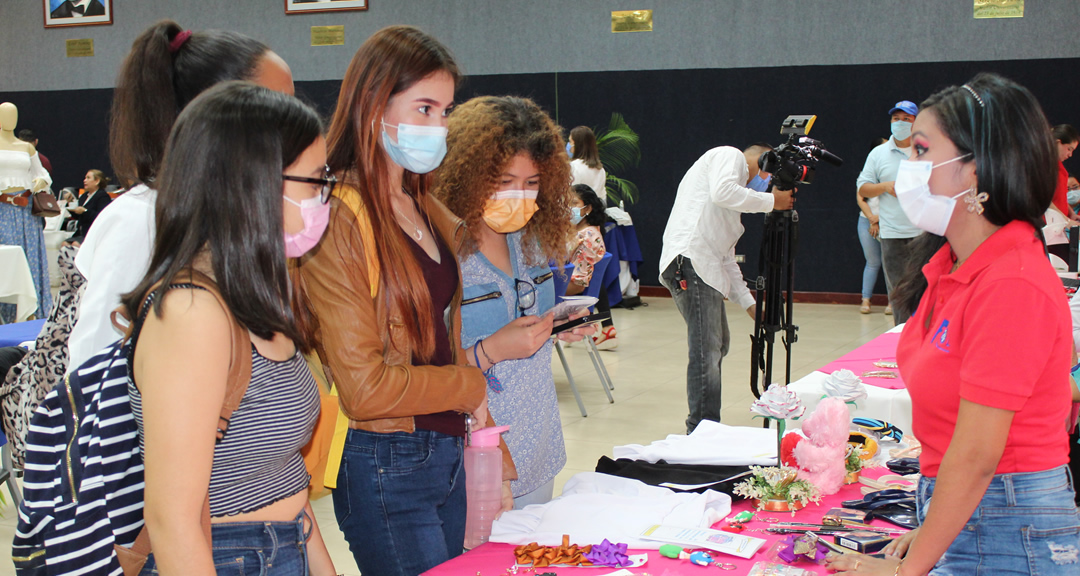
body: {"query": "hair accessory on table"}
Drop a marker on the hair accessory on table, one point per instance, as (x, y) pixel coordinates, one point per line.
(977, 98)
(878, 374)
(885, 364)
(178, 41)
(608, 554)
(974, 201)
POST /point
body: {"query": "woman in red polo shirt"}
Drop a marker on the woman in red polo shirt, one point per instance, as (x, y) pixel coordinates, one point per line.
(986, 354)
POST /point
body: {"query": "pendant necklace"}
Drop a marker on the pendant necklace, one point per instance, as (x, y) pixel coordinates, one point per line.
(418, 233)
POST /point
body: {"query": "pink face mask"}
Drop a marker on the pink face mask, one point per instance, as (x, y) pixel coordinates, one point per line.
(316, 216)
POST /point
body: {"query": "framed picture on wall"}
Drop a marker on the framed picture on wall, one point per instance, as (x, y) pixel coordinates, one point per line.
(60, 13)
(305, 6)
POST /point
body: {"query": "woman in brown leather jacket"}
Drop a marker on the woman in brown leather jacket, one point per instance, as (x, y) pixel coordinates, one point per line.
(384, 290)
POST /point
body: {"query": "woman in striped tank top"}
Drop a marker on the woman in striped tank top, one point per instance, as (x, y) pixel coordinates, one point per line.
(242, 188)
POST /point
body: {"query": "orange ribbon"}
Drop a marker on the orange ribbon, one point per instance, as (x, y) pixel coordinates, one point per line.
(542, 556)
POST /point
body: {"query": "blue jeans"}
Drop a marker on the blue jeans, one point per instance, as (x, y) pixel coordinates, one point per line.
(257, 548)
(400, 500)
(871, 250)
(1025, 524)
(702, 307)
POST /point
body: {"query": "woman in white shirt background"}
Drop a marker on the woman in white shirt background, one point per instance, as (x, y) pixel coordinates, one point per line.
(585, 166)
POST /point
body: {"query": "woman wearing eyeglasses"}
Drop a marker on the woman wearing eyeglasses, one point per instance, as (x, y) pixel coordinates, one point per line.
(507, 177)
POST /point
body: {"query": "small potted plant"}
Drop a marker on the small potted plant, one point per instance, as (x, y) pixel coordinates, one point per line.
(777, 489)
(853, 463)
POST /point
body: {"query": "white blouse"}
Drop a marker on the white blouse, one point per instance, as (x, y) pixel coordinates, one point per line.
(592, 177)
(114, 258)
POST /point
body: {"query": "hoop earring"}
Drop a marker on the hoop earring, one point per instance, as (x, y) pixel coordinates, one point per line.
(974, 201)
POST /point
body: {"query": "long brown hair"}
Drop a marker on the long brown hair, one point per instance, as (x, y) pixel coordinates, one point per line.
(156, 82)
(388, 63)
(585, 147)
(485, 135)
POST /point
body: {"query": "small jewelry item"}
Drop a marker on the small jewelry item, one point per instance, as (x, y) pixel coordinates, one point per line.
(974, 201)
(878, 374)
(492, 380)
(885, 364)
(418, 233)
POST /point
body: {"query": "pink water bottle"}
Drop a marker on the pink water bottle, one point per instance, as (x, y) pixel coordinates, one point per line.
(483, 483)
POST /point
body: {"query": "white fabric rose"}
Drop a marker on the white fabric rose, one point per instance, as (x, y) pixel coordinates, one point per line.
(845, 385)
(778, 402)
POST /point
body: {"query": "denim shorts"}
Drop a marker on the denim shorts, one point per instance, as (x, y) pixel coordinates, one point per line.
(257, 548)
(1026, 523)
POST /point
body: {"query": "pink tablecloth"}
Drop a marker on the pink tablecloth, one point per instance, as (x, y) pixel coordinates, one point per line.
(494, 559)
(861, 360)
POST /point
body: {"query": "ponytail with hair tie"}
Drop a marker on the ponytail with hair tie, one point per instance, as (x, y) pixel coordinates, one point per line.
(178, 41)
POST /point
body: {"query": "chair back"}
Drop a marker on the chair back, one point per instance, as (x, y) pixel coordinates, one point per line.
(561, 278)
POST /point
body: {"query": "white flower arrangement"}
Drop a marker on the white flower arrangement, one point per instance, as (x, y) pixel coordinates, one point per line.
(772, 483)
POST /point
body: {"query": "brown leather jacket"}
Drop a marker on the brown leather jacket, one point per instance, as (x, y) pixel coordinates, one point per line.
(361, 339)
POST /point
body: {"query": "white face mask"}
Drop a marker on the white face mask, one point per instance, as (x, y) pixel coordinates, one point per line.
(925, 210)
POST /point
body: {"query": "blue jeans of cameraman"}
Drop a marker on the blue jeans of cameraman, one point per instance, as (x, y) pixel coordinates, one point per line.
(1025, 524)
(707, 334)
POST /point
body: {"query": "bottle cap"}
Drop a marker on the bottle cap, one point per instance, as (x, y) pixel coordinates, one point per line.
(487, 437)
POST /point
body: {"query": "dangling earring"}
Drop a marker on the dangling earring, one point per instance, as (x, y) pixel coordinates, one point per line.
(974, 201)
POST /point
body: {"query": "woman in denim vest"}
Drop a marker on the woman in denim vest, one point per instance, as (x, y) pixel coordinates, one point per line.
(506, 176)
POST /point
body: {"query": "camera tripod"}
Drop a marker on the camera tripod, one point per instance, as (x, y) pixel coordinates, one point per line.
(775, 287)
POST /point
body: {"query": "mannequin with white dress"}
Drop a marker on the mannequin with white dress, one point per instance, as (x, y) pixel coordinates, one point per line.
(21, 175)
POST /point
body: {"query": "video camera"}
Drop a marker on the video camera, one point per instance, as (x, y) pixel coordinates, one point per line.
(795, 161)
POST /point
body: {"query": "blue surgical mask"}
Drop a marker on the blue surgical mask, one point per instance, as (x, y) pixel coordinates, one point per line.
(758, 183)
(901, 130)
(419, 149)
(569, 149)
(1074, 196)
(575, 215)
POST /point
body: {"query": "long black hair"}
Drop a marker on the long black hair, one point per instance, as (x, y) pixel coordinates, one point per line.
(219, 193)
(156, 82)
(1001, 125)
(596, 216)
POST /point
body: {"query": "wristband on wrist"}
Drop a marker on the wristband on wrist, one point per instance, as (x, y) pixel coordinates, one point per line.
(897, 571)
(484, 350)
(492, 380)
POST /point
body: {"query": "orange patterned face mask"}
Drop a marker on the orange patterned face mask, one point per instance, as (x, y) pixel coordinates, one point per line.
(510, 210)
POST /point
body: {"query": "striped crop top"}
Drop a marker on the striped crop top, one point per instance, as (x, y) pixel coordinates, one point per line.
(259, 462)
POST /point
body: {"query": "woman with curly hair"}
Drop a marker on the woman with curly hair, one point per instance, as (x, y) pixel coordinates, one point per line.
(506, 176)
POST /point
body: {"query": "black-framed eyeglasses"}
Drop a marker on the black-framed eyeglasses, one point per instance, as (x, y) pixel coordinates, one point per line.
(328, 182)
(526, 294)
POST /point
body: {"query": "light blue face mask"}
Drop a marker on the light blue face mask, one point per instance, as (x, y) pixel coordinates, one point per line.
(758, 183)
(419, 149)
(1073, 196)
(575, 215)
(569, 149)
(901, 130)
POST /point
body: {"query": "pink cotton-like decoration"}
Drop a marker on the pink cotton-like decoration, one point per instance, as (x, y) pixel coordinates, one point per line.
(821, 456)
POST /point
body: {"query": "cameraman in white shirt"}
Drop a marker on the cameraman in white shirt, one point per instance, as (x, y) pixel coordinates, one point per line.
(698, 261)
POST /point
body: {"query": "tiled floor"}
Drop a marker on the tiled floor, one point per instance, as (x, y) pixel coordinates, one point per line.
(648, 370)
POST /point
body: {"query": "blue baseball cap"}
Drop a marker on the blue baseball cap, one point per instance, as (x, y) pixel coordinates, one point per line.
(905, 106)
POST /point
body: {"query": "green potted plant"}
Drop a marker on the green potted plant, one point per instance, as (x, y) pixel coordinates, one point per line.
(619, 149)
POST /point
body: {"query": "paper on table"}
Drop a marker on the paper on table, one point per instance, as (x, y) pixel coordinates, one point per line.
(726, 542)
